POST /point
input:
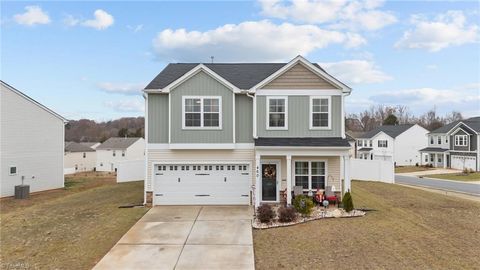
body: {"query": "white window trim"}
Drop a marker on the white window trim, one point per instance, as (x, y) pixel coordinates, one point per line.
(267, 124)
(201, 127)
(9, 170)
(386, 144)
(329, 126)
(458, 140)
(310, 172)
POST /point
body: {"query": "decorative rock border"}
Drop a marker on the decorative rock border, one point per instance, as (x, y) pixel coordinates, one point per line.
(316, 215)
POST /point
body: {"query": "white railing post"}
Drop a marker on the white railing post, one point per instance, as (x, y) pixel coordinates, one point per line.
(289, 179)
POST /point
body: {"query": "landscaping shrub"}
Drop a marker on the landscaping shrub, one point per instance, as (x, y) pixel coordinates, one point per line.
(466, 171)
(286, 214)
(265, 213)
(303, 205)
(347, 202)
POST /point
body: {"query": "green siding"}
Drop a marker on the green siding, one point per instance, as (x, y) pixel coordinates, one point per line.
(244, 119)
(298, 119)
(157, 118)
(201, 84)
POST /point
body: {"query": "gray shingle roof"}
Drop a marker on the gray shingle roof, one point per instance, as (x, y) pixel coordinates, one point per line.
(242, 75)
(365, 149)
(117, 143)
(263, 141)
(89, 144)
(77, 147)
(392, 131)
(433, 149)
(473, 123)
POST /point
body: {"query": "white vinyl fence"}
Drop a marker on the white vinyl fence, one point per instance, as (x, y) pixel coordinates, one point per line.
(372, 170)
(130, 170)
(69, 170)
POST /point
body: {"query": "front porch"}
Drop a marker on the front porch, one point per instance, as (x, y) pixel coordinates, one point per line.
(437, 157)
(280, 171)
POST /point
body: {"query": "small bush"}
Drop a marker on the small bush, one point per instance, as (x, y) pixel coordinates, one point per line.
(265, 213)
(416, 164)
(465, 171)
(347, 202)
(303, 205)
(287, 214)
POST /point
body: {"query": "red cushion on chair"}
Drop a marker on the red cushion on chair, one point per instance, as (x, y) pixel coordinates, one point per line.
(331, 198)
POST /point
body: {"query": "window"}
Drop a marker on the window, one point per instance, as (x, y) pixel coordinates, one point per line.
(371, 143)
(12, 170)
(113, 153)
(382, 143)
(277, 113)
(310, 174)
(84, 155)
(320, 112)
(431, 157)
(439, 140)
(460, 140)
(426, 158)
(360, 143)
(202, 112)
(123, 153)
(439, 158)
(431, 139)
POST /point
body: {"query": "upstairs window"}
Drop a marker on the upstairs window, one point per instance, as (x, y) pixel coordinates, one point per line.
(360, 143)
(202, 112)
(431, 139)
(277, 112)
(320, 112)
(460, 140)
(123, 153)
(382, 143)
(84, 155)
(371, 143)
(439, 140)
(113, 153)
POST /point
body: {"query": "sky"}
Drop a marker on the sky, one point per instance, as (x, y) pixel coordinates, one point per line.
(92, 59)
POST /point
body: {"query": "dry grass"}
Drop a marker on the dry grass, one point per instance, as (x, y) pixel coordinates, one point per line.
(68, 229)
(456, 176)
(411, 229)
(407, 169)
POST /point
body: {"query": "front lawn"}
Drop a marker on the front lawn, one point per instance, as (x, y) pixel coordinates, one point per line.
(408, 169)
(410, 229)
(456, 176)
(68, 229)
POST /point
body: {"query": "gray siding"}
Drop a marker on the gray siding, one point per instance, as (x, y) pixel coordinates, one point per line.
(201, 84)
(472, 142)
(157, 118)
(244, 119)
(298, 119)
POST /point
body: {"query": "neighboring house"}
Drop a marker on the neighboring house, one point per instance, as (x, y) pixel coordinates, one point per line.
(244, 133)
(399, 143)
(455, 145)
(353, 145)
(79, 158)
(92, 145)
(31, 143)
(118, 149)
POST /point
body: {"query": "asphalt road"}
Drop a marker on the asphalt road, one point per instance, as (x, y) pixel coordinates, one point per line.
(473, 189)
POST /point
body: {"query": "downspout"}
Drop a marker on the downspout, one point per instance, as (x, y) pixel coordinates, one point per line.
(254, 120)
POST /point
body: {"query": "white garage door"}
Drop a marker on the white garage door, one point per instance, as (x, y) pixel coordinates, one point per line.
(385, 158)
(460, 163)
(188, 184)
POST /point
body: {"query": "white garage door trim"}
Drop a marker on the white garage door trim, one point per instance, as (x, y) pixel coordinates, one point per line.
(244, 199)
(470, 162)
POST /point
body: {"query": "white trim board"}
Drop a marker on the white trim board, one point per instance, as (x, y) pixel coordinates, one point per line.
(299, 92)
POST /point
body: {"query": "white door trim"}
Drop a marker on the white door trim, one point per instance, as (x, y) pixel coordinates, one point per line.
(277, 162)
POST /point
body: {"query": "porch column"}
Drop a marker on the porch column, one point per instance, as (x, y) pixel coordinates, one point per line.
(257, 181)
(421, 158)
(435, 160)
(289, 179)
(444, 160)
(346, 173)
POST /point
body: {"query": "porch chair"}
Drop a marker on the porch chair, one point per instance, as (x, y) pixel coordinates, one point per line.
(330, 195)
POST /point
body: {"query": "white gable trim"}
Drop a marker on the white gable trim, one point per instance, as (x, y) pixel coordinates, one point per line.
(455, 128)
(310, 66)
(191, 73)
(18, 92)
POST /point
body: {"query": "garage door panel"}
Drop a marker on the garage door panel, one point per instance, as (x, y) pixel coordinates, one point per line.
(459, 162)
(183, 184)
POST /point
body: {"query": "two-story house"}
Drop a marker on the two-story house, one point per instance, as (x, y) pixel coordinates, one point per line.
(78, 158)
(229, 133)
(119, 149)
(399, 143)
(454, 145)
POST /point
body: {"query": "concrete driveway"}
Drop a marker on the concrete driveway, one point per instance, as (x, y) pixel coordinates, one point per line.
(186, 237)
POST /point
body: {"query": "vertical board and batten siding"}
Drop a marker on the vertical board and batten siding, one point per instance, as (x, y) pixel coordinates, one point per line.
(299, 77)
(189, 156)
(201, 84)
(243, 119)
(157, 118)
(298, 119)
(472, 142)
(32, 139)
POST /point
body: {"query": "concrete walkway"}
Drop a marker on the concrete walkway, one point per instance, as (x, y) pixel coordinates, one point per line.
(186, 237)
(429, 172)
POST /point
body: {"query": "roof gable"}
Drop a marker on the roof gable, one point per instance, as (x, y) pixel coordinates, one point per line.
(391, 130)
(118, 143)
(77, 147)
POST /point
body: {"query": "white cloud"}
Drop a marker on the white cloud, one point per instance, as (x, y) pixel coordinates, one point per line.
(356, 71)
(136, 28)
(102, 20)
(448, 29)
(130, 105)
(339, 13)
(33, 15)
(122, 88)
(249, 41)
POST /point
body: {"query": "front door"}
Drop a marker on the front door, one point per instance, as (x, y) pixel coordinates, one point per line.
(269, 182)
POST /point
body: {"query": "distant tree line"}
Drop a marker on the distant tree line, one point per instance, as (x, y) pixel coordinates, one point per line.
(393, 115)
(85, 130)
